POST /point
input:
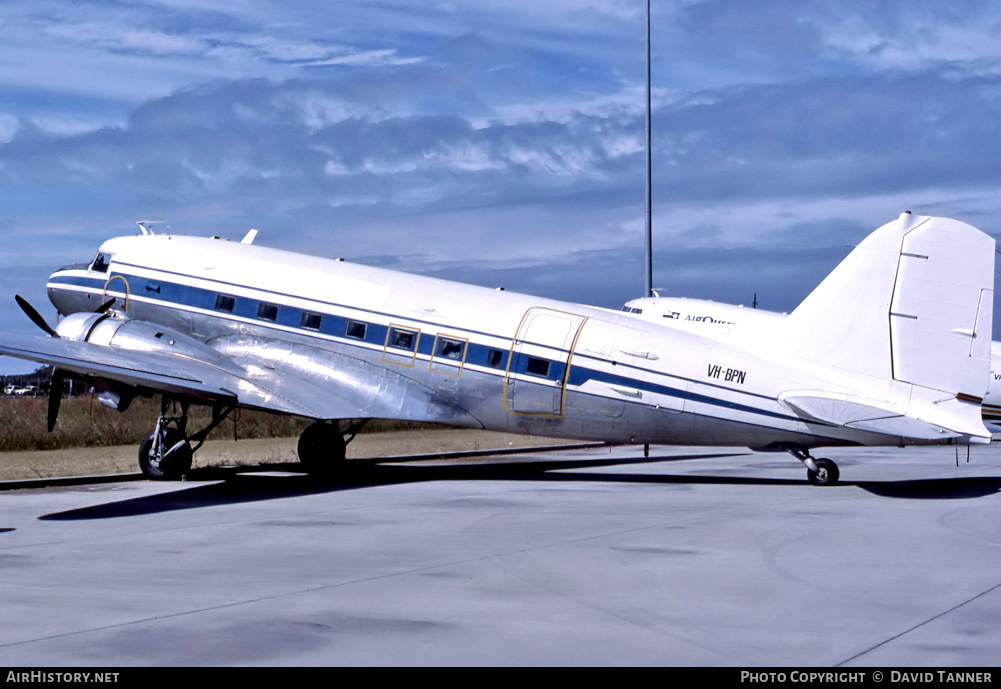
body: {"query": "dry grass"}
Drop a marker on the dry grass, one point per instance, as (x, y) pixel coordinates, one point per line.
(91, 461)
(91, 439)
(85, 422)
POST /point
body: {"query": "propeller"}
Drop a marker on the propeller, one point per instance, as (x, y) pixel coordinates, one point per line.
(55, 396)
(58, 377)
(35, 317)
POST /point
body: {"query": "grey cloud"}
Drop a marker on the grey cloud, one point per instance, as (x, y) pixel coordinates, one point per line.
(849, 136)
(254, 148)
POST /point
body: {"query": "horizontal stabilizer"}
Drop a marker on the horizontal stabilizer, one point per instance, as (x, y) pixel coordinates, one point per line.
(948, 418)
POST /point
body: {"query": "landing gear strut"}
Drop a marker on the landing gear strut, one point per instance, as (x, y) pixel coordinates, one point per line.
(819, 472)
(166, 453)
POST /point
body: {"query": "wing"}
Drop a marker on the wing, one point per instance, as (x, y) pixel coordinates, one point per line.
(253, 372)
(157, 371)
(330, 383)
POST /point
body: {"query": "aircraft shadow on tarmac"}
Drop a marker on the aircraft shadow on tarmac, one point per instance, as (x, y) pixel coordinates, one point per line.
(935, 489)
(241, 485)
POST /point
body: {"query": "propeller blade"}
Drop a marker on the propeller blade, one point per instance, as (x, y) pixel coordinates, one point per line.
(105, 306)
(55, 396)
(34, 315)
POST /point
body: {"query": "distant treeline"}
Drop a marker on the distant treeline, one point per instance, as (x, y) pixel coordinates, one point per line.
(39, 378)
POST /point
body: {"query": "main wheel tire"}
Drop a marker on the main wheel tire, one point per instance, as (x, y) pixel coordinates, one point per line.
(827, 473)
(175, 465)
(322, 448)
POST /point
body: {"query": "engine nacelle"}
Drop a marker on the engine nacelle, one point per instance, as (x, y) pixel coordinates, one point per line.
(117, 329)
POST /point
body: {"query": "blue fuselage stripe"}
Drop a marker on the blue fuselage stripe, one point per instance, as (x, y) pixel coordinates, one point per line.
(176, 295)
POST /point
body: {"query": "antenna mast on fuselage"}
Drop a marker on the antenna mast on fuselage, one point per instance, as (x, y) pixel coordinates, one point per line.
(146, 226)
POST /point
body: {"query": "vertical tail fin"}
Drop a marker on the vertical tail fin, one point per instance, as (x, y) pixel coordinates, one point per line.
(911, 304)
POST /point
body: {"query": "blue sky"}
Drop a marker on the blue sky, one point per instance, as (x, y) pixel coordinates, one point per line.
(497, 143)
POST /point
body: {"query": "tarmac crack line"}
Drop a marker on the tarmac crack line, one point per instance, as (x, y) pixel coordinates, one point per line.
(919, 625)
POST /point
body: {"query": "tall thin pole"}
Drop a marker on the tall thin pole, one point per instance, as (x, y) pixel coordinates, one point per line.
(648, 279)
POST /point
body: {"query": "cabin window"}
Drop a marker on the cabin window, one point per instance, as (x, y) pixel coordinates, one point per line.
(101, 263)
(225, 302)
(402, 339)
(355, 330)
(494, 358)
(311, 321)
(449, 349)
(267, 312)
(537, 367)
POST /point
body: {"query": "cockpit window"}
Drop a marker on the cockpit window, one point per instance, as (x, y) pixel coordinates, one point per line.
(101, 263)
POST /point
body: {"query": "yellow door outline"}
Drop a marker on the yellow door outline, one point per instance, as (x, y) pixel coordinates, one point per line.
(576, 324)
(104, 295)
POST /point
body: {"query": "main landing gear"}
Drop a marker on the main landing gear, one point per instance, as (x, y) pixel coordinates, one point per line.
(323, 445)
(819, 472)
(166, 453)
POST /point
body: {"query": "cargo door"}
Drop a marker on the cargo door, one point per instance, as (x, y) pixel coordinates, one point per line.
(536, 377)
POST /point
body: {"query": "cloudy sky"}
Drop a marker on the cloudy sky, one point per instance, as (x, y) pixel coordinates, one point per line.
(498, 143)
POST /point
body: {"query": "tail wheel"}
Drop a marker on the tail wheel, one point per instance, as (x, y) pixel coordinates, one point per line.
(827, 473)
(176, 459)
(322, 447)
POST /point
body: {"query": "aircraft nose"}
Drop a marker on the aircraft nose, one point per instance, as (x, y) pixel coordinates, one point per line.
(59, 288)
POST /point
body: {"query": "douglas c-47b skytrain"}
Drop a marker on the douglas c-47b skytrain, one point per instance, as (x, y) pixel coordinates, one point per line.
(893, 348)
